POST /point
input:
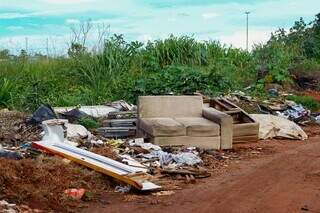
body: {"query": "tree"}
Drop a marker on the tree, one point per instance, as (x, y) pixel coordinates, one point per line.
(76, 49)
(312, 43)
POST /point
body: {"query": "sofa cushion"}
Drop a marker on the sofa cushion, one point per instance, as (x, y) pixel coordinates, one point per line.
(200, 127)
(170, 106)
(162, 127)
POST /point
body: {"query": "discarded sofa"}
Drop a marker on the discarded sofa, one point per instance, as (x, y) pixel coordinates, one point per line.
(182, 120)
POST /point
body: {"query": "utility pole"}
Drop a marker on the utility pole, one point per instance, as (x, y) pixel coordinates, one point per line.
(247, 40)
(27, 44)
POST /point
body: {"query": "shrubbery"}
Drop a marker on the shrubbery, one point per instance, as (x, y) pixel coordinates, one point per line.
(176, 65)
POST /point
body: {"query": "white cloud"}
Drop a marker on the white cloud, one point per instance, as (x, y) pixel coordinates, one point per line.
(12, 15)
(144, 38)
(238, 38)
(72, 21)
(209, 15)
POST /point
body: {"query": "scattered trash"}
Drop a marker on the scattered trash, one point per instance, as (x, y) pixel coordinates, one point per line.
(122, 115)
(180, 159)
(122, 189)
(127, 159)
(121, 105)
(134, 161)
(93, 111)
(115, 142)
(294, 113)
(54, 142)
(73, 115)
(76, 194)
(117, 132)
(97, 142)
(317, 119)
(43, 113)
(198, 173)
(120, 122)
(6, 207)
(76, 131)
(272, 126)
(13, 155)
(147, 146)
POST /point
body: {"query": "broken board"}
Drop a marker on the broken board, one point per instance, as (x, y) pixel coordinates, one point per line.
(245, 129)
(54, 142)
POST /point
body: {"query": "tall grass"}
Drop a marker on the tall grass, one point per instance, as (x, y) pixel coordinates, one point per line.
(125, 70)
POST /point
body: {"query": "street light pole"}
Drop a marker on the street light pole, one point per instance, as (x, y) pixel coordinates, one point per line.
(247, 40)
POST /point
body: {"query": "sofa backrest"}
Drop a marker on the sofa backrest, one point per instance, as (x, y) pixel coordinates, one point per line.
(169, 106)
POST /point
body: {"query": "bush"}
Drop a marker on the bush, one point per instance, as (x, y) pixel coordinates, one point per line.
(306, 101)
(89, 123)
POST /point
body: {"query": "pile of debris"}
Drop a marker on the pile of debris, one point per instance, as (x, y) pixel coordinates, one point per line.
(102, 139)
(277, 105)
(108, 149)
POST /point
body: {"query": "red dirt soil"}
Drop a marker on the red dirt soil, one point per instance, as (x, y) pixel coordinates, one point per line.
(314, 94)
(284, 180)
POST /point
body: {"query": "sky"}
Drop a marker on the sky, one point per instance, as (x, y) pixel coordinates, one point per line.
(46, 24)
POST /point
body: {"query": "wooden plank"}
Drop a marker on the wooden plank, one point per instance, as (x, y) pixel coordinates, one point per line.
(120, 122)
(244, 129)
(117, 132)
(114, 169)
(245, 139)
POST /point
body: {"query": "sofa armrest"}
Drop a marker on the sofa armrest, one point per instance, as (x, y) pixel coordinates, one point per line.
(226, 125)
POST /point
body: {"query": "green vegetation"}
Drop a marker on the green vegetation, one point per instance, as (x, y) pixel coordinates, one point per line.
(305, 101)
(176, 65)
(89, 123)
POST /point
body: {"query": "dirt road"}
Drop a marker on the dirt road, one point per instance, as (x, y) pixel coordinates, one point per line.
(288, 182)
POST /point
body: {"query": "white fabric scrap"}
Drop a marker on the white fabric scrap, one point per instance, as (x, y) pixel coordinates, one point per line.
(183, 158)
(272, 126)
(140, 142)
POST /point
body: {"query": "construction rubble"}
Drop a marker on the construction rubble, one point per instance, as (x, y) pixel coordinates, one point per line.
(99, 145)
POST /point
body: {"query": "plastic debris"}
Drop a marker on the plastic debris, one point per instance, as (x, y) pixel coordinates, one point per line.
(8, 207)
(294, 113)
(73, 115)
(121, 105)
(115, 142)
(140, 142)
(93, 111)
(76, 194)
(13, 155)
(183, 158)
(54, 142)
(127, 159)
(272, 126)
(43, 113)
(122, 189)
(97, 142)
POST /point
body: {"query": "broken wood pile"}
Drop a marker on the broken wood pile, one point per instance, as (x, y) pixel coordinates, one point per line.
(245, 129)
(119, 125)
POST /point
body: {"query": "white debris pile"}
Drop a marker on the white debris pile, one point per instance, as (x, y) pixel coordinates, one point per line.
(272, 126)
(147, 146)
(8, 207)
(189, 157)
